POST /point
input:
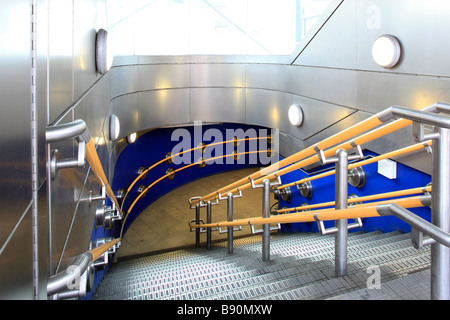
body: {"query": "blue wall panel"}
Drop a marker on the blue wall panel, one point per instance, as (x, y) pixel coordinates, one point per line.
(323, 191)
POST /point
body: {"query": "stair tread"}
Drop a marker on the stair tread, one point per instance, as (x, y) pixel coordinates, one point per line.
(300, 264)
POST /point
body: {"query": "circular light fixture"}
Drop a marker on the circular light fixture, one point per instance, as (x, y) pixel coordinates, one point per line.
(132, 137)
(386, 51)
(114, 127)
(103, 52)
(295, 115)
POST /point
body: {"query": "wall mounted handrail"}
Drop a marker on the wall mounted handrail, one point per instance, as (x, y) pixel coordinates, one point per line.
(309, 155)
(392, 154)
(393, 194)
(79, 130)
(177, 155)
(60, 281)
(175, 171)
(416, 222)
(357, 211)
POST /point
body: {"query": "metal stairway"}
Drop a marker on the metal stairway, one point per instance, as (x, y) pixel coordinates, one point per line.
(301, 267)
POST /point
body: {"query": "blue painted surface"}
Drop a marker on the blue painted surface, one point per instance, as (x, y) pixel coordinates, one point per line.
(153, 146)
(323, 191)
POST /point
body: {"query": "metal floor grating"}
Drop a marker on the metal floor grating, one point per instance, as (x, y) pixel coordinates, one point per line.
(301, 267)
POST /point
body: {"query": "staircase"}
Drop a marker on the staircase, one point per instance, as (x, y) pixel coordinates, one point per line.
(301, 268)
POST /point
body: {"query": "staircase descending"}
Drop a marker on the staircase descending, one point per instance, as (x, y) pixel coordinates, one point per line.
(301, 267)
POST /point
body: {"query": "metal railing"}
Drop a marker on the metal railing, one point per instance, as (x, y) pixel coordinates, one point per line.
(335, 150)
(78, 278)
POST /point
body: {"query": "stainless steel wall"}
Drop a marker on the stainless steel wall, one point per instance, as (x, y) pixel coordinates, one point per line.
(334, 80)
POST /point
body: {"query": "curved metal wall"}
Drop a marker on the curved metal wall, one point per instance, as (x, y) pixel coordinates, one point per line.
(334, 80)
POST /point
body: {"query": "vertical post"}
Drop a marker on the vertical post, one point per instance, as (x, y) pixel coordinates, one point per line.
(230, 218)
(266, 214)
(341, 191)
(208, 230)
(440, 254)
(197, 230)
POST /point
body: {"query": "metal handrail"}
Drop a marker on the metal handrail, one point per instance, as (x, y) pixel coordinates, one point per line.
(60, 281)
(392, 154)
(357, 211)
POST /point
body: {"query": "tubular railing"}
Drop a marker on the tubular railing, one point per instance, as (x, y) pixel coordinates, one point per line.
(145, 172)
(78, 278)
(335, 150)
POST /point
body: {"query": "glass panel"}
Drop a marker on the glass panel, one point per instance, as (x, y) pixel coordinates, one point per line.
(211, 27)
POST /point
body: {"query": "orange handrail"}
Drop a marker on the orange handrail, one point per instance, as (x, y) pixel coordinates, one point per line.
(357, 211)
(177, 170)
(393, 194)
(363, 163)
(97, 168)
(97, 252)
(268, 172)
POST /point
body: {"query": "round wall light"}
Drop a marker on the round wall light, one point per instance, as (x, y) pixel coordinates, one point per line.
(295, 115)
(103, 52)
(132, 137)
(114, 127)
(386, 51)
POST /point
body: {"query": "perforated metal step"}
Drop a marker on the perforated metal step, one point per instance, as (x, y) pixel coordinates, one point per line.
(301, 267)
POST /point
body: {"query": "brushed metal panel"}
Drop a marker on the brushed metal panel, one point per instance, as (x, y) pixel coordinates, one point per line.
(217, 75)
(289, 145)
(270, 108)
(335, 44)
(419, 25)
(88, 17)
(268, 76)
(163, 76)
(218, 104)
(124, 79)
(163, 107)
(336, 86)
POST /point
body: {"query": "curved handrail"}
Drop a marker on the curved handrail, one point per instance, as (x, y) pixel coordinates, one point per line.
(303, 160)
(177, 170)
(59, 282)
(393, 194)
(392, 154)
(179, 154)
(78, 129)
(357, 211)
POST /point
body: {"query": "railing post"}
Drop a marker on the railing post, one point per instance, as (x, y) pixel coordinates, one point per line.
(341, 190)
(266, 214)
(440, 254)
(197, 230)
(208, 230)
(230, 218)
